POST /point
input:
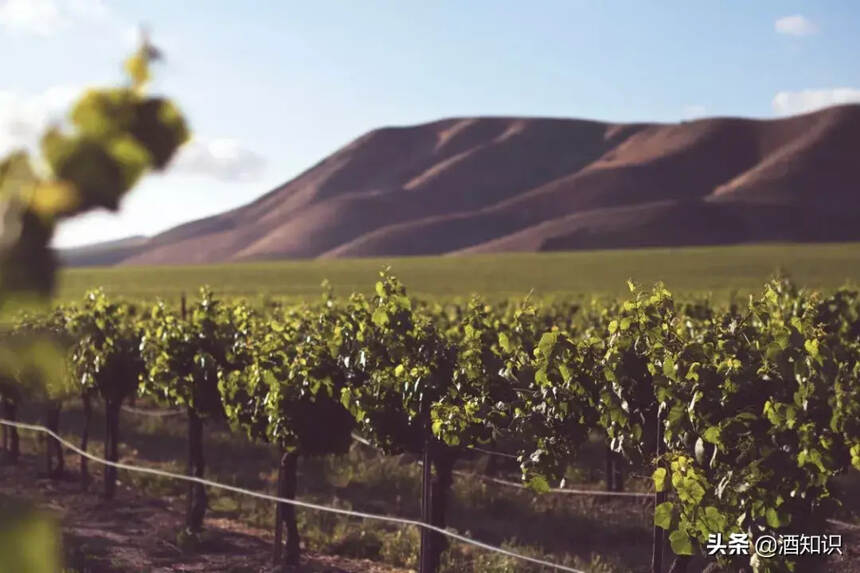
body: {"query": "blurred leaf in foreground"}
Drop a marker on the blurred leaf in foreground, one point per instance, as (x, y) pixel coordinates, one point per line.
(29, 540)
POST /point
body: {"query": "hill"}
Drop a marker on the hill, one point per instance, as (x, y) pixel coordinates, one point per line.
(104, 253)
(531, 184)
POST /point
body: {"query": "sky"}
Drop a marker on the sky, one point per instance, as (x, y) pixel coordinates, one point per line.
(271, 87)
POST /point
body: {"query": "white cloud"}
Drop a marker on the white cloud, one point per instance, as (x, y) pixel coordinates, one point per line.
(694, 111)
(23, 117)
(40, 17)
(795, 25)
(91, 9)
(790, 103)
(220, 158)
(47, 17)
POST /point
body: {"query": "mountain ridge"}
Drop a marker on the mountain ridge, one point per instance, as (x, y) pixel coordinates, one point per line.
(490, 184)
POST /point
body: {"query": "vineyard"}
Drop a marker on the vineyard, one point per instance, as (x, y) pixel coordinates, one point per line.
(713, 419)
(724, 272)
(743, 415)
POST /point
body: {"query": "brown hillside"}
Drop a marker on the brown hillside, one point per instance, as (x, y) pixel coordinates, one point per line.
(507, 184)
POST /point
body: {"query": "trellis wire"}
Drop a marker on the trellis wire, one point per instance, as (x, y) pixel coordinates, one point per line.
(563, 490)
(295, 502)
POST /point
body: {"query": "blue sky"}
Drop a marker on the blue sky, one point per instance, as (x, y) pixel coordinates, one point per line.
(271, 87)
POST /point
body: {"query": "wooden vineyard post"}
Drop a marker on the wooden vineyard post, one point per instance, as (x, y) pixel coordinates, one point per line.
(425, 560)
(292, 555)
(111, 446)
(189, 466)
(279, 511)
(659, 497)
(285, 513)
(52, 446)
(49, 444)
(617, 472)
(13, 447)
(608, 469)
(614, 470)
(85, 438)
(444, 463)
(196, 491)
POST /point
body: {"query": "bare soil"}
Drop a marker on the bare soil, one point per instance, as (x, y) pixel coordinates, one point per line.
(138, 533)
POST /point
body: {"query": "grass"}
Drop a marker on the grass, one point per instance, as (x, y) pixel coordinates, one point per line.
(720, 271)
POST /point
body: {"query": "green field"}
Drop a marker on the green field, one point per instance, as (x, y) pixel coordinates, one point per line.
(688, 271)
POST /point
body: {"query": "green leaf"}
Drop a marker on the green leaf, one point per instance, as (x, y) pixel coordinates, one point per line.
(16, 175)
(131, 157)
(54, 198)
(547, 343)
(505, 342)
(771, 296)
(714, 520)
(564, 371)
(663, 515)
(776, 518)
(855, 456)
(689, 490)
(669, 367)
(676, 412)
(681, 542)
(712, 435)
(659, 477)
(772, 517)
(380, 317)
(29, 541)
(160, 128)
(436, 426)
(346, 398)
(538, 484)
(137, 67)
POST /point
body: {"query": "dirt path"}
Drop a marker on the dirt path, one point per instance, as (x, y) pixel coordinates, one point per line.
(139, 533)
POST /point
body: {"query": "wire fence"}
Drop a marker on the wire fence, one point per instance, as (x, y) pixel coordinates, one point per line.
(350, 513)
(295, 502)
(508, 483)
(493, 452)
(153, 413)
(471, 475)
(562, 490)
